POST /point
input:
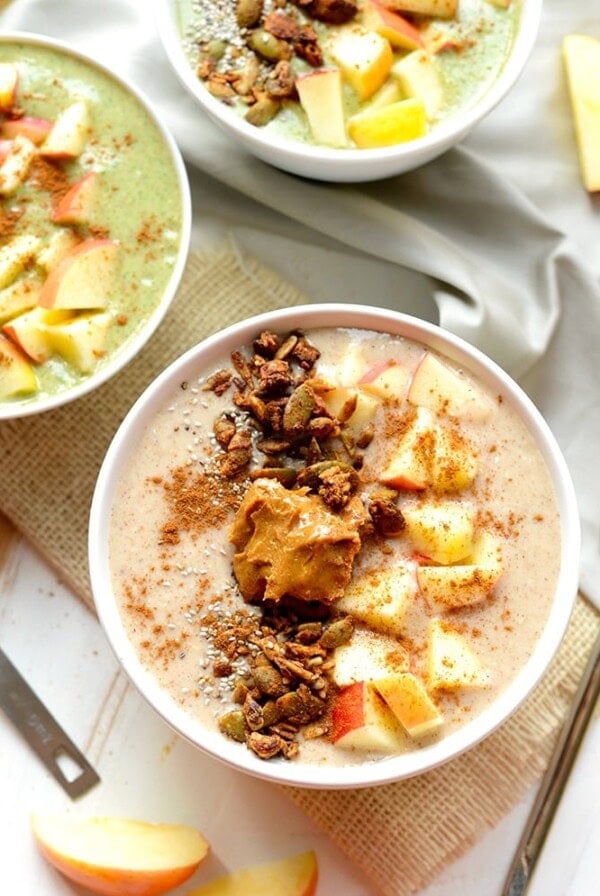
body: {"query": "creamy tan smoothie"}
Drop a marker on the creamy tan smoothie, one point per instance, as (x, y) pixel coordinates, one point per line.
(338, 557)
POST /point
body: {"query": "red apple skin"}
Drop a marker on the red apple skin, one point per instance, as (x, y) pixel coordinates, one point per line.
(35, 129)
(52, 283)
(12, 334)
(374, 371)
(348, 710)
(110, 882)
(394, 20)
(73, 208)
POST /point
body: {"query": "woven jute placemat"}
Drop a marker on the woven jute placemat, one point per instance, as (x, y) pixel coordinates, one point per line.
(400, 835)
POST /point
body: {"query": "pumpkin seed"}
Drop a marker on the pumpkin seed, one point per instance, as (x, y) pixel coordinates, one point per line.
(337, 633)
(262, 112)
(248, 12)
(298, 410)
(233, 725)
(268, 46)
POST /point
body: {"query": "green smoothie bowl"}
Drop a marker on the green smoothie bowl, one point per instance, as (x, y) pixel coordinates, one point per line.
(95, 220)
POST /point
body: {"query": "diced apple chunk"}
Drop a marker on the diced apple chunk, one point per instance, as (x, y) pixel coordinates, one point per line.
(451, 661)
(364, 412)
(361, 720)
(386, 95)
(29, 332)
(81, 340)
(396, 123)
(445, 391)
(60, 244)
(418, 77)
(443, 531)
(440, 9)
(16, 373)
(321, 98)
(76, 205)
(20, 296)
(454, 462)
(407, 697)
(453, 587)
(399, 31)
(9, 78)
(35, 129)
(15, 255)
(367, 657)
(84, 277)
(69, 133)
(364, 57)
(16, 164)
(411, 462)
(381, 598)
(388, 380)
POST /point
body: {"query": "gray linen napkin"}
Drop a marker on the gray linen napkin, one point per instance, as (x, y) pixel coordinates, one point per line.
(502, 275)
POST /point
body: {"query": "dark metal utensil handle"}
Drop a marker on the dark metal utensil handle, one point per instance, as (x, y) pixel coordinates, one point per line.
(555, 778)
(42, 732)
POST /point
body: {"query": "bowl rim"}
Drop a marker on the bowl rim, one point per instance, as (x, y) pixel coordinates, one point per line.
(389, 769)
(27, 406)
(289, 151)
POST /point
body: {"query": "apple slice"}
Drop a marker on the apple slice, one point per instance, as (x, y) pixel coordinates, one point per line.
(446, 391)
(407, 697)
(386, 95)
(439, 9)
(443, 531)
(361, 720)
(293, 876)
(75, 207)
(368, 657)
(399, 31)
(321, 98)
(388, 380)
(15, 255)
(418, 77)
(365, 58)
(69, 133)
(581, 56)
(451, 661)
(16, 373)
(20, 296)
(16, 164)
(454, 461)
(81, 340)
(29, 332)
(35, 129)
(9, 78)
(396, 123)
(411, 463)
(381, 598)
(84, 277)
(62, 241)
(116, 856)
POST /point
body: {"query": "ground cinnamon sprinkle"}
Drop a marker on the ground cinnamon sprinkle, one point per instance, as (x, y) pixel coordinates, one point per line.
(49, 177)
(8, 221)
(198, 501)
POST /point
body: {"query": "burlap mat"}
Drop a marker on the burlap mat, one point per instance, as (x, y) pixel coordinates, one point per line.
(400, 835)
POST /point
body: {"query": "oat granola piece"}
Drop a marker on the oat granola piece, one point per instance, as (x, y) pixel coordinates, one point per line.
(266, 344)
(280, 84)
(333, 12)
(266, 746)
(274, 377)
(218, 382)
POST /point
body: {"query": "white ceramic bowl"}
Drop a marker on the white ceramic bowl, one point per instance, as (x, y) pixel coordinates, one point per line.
(349, 165)
(190, 365)
(121, 356)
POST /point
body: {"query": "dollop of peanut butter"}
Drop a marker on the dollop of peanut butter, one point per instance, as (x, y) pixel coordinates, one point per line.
(290, 543)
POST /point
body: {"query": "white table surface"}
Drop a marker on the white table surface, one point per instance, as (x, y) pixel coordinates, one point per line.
(148, 772)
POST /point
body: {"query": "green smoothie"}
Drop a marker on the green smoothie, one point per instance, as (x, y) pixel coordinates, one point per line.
(136, 202)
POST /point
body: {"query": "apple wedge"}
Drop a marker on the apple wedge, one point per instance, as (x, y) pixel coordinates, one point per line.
(15, 255)
(361, 720)
(581, 56)
(16, 373)
(35, 129)
(9, 79)
(439, 9)
(29, 332)
(418, 77)
(368, 657)
(407, 697)
(364, 57)
(401, 34)
(396, 123)
(451, 661)
(69, 133)
(445, 391)
(16, 164)
(117, 856)
(84, 277)
(410, 465)
(381, 598)
(76, 205)
(443, 531)
(62, 241)
(20, 296)
(321, 98)
(81, 340)
(292, 876)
